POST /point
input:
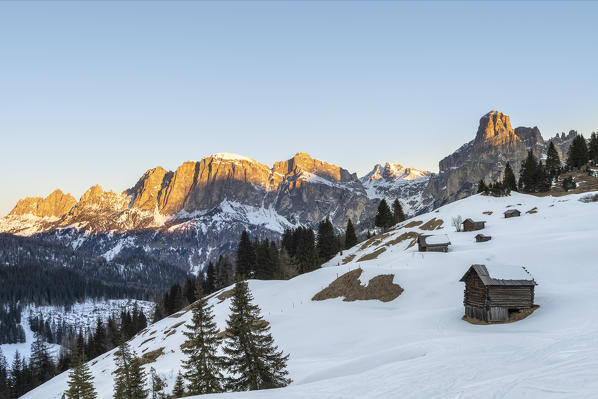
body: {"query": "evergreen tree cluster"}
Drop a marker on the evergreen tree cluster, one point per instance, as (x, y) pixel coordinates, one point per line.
(534, 176)
(578, 154)
(593, 148)
(386, 218)
(11, 331)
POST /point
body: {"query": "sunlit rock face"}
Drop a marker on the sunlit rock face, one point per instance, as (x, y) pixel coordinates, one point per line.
(197, 212)
(485, 157)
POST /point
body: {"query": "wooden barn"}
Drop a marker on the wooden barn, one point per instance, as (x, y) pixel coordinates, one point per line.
(512, 213)
(472, 225)
(493, 293)
(482, 238)
(430, 243)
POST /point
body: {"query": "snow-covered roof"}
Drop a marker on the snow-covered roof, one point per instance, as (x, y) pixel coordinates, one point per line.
(441, 239)
(512, 211)
(502, 275)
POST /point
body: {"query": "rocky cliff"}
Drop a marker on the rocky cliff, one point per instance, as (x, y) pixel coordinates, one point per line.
(197, 212)
(485, 157)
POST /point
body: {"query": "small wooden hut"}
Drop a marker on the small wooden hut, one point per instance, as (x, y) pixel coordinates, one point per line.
(512, 213)
(433, 243)
(493, 293)
(471, 225)
(482, 238)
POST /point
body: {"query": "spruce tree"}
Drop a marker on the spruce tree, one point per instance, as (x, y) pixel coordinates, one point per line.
(100, 339)
(157, 385)
(553, 161)
(252, 359)
(384, 218)
(350, 237)
(528, 175)
(179, 386)
(327, 246)
(578, 152)
(397, 211)
(482, 187)
(593, 148)
(41, 364)
(4, 380)
(509, 183)
(210, 282)
(80, 380)
(306, 255)
(203, 365)
(129, 380)
(245, 257)
(265, 268)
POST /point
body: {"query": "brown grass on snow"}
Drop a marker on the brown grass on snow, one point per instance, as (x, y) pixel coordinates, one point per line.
(412, 224)
(348, 259)
(146, 341)
(487, 213)
(410, 235)
(432, 224)
(150, 357)
(372, 255)
(533, 210)
(349, 287)
(513, 317)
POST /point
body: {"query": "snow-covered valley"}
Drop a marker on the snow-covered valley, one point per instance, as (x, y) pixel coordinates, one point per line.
(417, 345)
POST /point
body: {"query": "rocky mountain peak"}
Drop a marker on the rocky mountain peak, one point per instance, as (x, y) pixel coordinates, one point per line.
(392, 171)
(303, 162)
(495, 129)
(54, 205)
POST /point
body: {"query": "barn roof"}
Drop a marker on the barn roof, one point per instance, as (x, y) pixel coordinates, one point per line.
(474, 221)
(501, 275)
(441, 239)
(512, 211)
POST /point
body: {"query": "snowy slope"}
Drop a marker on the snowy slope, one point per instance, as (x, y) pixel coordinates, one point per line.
(417, 346)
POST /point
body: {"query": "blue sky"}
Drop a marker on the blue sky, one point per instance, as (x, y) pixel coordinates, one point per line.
(98, 92)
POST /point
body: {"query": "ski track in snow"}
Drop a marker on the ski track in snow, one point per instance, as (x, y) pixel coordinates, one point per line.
(417, 346)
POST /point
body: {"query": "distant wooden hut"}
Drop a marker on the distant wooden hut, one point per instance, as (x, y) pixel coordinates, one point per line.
(482, 238)
(512, 213)
(471, 225)
(433, 243)
(492, 293)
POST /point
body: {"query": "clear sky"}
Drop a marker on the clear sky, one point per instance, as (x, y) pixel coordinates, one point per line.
(98, 92)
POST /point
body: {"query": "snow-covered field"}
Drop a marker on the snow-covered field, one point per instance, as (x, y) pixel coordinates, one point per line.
(80, 315)
(417, 346)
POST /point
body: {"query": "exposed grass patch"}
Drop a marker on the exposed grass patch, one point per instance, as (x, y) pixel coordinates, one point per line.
(168, 334)
(413, 224)
(487, 213)
(349, 287)
(533, 210)
(513, 317)
(372, 255)
(410, 235)
(146, 341)
(348, 259)
(432, 224)
(177, 315)
(224, 295)
(150, 357)
(589, 198)
(256, 324)
(176, 325)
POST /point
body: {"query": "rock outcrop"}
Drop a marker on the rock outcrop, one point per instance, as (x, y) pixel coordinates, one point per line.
(54, 205)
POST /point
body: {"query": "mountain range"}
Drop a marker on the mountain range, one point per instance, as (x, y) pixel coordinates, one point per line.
(196, 213)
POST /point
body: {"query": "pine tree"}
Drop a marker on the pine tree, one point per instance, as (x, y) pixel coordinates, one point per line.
(203, 365)
(245, 257)
(252, 359)
(41, 363)
(4, 381)
(157, 384)
(528, 176)
(482, 187)
(266, 261)
(179, 386)
(397, 211)
(350, 237)
(80, 380)
(17, 378)
(509, 182)
(326, 246)
(129, 381)
(100, 339)
(578, 153)
(384, 218)
(553, 161)
(593, 148)
(210, 282)
(306, 255)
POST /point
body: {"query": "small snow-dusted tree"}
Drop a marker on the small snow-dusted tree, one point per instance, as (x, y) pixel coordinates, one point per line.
(252, 359)
(80, 381)
(179, 386)
(129, 380)
(202, 365)
(157, 384)
(457, 222)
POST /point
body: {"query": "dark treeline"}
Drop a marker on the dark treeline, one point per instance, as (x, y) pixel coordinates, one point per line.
(24, 376)
(135, 269)
(11, 331)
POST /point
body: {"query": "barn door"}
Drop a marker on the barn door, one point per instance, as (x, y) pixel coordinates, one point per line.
(498, 314)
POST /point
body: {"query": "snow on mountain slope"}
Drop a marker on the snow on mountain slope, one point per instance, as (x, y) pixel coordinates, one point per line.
(394, 181)
(417, 346)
